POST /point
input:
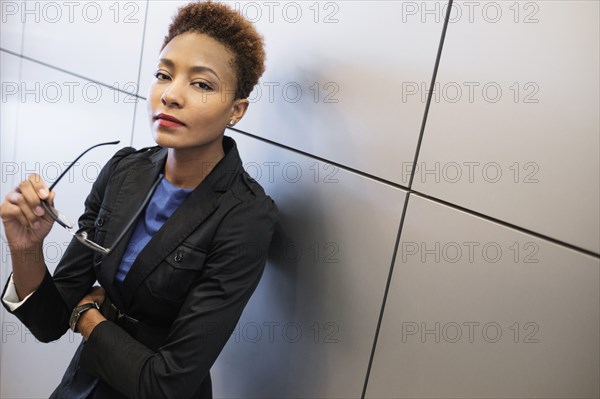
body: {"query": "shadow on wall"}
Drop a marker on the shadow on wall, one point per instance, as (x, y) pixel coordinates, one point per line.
(312, 318)
(350, 113)
(279, 347)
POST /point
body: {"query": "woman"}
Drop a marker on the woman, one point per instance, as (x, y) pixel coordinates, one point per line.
(175, 284)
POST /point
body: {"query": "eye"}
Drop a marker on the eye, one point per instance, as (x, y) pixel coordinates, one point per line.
(202, 85)
(160, 76)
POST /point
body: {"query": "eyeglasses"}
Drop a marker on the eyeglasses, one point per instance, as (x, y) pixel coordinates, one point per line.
(81, 235)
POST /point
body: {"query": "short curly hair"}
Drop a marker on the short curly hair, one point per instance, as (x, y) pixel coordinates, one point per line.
(231, 29)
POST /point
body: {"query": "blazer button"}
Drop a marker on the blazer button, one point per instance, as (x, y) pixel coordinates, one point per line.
(100, 222)
(178, 256)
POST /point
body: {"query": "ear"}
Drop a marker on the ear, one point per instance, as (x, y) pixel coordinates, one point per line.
(238, 109)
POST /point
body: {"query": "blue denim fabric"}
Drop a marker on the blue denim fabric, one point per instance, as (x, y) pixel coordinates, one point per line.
(82, 387)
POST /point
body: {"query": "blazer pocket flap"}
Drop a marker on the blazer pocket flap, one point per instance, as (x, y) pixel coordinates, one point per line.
(187, 257)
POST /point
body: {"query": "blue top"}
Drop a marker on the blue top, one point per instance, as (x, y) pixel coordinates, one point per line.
(164, 201)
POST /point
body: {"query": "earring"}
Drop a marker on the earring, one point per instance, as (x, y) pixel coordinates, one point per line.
(231, 122)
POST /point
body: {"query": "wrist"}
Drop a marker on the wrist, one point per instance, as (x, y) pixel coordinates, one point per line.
(89, 321)
(27, 255)
(78, 313)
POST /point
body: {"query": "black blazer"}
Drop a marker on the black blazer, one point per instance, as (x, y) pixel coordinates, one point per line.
(187, 288)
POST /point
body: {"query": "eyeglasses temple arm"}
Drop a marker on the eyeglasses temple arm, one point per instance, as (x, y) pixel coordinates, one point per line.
(77, 159)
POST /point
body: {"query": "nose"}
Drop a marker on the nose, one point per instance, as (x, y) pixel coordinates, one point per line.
(172, 96)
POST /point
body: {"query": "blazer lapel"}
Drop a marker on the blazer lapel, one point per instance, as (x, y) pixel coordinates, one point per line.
(199, 205)
(133, 191)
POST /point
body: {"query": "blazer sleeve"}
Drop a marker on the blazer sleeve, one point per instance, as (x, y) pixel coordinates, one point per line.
(46, 312)
(207, 317)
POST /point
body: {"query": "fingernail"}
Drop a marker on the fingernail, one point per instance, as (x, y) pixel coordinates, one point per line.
(36, 225)
(38, 210)
(43, 192)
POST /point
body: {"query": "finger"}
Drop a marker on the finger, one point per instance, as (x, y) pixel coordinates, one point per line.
(98, 294)
(50, 202)
(51, 198)
(85, 299)
(11, 212)
(39, 186)
(18, 200)
(31, 197)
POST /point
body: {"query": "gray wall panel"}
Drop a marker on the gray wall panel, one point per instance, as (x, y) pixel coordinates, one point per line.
(11, 28)
(478, 310)
(513, 130)
(10, 66)
(99, 40)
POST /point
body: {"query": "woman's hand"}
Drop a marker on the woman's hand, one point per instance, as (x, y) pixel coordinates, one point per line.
(26, 224)
(95, 294)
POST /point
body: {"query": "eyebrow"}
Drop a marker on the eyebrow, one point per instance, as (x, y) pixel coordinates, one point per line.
(194, 69)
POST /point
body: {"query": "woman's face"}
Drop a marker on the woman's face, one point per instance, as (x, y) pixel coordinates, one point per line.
(195, 84)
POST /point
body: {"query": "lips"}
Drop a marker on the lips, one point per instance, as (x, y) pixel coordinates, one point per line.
(168, 118)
